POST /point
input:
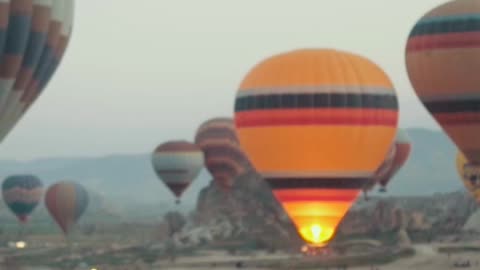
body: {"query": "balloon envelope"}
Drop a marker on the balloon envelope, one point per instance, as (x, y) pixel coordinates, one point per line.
(403, 148)
(443, 60)
(224, 158)
(470, 175)
(316, 124)
(177, 164)
(35, 37)
(383, 170)
(66, 202)
(21, 194)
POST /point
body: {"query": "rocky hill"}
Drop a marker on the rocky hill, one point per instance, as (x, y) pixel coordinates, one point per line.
(428, 217)
(249, 212)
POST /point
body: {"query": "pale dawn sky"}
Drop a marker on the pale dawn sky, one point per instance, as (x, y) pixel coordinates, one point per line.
(138, 73)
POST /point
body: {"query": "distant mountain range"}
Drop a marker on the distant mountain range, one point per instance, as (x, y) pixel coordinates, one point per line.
(129, 179)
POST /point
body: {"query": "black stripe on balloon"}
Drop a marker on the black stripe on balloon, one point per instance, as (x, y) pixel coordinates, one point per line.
(465, 24)
(324, 183)
(319, 100)
(453, 106)
(226, 151)
(222, 167)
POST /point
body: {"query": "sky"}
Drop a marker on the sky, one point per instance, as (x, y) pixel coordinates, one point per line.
(139, 73)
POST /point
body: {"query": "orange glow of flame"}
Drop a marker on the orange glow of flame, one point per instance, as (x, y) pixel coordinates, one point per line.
(316, 234)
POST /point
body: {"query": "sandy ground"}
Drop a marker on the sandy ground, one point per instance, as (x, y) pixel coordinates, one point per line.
(426, 258)
(219, 257)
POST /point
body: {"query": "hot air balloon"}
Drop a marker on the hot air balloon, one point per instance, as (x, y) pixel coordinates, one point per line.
(403, 147)
(177, 164)
(66, 202)
(316, 124)
(470, 176)
(21, 194)
(224, 158)
(36, 34)
(443, 59)
(381, 172)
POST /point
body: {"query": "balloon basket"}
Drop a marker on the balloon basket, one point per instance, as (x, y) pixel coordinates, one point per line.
(315, 250)
(382, 190)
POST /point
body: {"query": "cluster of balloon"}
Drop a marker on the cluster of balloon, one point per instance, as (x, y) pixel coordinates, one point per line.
(443, 59)
(177, 164)
(21, 194)
(394, 161)
(224, 158)
(316, 124)
(66, 202)
(36, 35)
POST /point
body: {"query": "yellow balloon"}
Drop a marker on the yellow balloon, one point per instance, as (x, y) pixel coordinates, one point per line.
(470, 175)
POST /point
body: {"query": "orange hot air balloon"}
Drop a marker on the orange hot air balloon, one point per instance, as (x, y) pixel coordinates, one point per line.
(470, 176)
(66, 202)
(224, 158)
(443, 60)
(316, 124)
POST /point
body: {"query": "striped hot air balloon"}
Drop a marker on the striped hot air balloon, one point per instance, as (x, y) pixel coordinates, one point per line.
(316, 124)
(403, 148)
(382, 171)
(21, 194)
(66, 202)
(470, 176)
(224, 158)
(443, 60)
(35, 34)
(177, 164)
